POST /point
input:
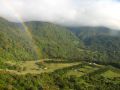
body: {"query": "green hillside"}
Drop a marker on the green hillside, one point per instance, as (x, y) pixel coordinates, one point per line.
(48, 40)
(55, 41)
(83, 58)
(51, 41)
(101, 39)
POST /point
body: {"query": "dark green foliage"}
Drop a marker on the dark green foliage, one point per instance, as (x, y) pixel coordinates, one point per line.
(102, 40)
(51, 41)
(6, 66)
(14, 44)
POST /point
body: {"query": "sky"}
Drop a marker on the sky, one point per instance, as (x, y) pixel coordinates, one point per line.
(65, 12)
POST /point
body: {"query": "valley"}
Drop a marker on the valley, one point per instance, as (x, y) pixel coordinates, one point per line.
(59, 44)
(55, 74)
(56, 57)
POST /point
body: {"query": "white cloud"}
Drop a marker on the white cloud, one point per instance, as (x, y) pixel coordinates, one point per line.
(67, 12)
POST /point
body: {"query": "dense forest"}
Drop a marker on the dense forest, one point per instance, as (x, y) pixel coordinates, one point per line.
(101, 39)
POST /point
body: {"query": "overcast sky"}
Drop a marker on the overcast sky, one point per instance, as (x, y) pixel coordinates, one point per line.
(67, 12)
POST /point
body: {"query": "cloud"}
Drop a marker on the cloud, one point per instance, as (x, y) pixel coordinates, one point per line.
(66, 12)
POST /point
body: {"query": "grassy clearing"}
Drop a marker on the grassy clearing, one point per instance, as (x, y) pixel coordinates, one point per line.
(81, 71)
(111, 74)
(31, 67)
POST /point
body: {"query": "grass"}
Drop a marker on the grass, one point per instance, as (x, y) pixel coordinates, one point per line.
(111, 74)
(54, 66)
(81, 71)
(33, 68)
(42, 66)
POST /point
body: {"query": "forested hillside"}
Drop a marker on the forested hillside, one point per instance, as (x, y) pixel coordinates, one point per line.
(54, 41)
(14, 44)
(101, 39)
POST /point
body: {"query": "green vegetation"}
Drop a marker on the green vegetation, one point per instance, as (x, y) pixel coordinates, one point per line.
(111, 74)
(103, 40)
(81, 71)
(34, 67)
(53, 41)
(59, 79)
(85, 58)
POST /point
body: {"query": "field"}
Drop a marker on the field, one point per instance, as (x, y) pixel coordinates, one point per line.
(33, 67)
(111, 74)
(81, 71)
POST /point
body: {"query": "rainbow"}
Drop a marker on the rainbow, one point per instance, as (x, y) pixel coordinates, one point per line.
(27, 31)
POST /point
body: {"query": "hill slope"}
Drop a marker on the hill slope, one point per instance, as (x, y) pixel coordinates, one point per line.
(100, 39)
(52, 41)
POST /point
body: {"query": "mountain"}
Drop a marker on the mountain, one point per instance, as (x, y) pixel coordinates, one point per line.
(12, 41)
(77, 58)
(101, 39)
(50, 41)
(38, 40)
(55, 41)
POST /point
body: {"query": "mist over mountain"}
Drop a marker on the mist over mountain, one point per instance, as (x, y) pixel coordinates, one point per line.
(93, 13)
(100, 39)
